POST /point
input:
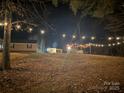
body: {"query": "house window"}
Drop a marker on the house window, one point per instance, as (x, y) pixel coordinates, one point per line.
(29, 45)
(12, 45)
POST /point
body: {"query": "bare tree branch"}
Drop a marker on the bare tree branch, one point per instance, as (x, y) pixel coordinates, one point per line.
(16, 22)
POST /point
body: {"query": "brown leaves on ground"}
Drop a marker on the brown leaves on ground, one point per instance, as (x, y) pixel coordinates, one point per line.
(62, 73)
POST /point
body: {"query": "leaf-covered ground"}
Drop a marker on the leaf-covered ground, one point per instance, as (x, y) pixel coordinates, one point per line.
(64, 73)
(15, 56)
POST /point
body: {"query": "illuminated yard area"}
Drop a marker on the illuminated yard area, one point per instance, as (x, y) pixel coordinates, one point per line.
(15, 56)
(63, 73)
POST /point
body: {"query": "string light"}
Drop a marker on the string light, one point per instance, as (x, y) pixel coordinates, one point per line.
(63, 35)
(73, 36)
(18, 26)
(5, 24)
(109, 38)
(83, 37)
(42, 32)
(113, 44)
(68, 47)
(92, 38)
(118, 38)
(102, 45)
(30, 29)
(118, 43)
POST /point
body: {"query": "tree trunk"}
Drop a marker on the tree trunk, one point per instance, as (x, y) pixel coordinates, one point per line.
(6, 43)
(41, 45)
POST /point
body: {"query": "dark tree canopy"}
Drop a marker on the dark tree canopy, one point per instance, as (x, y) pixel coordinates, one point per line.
(115, 21)
(97, 8)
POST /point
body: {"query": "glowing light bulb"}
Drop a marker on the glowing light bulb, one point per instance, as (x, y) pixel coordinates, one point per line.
(68, 48)
(83, 37)
(42, 32)
(30, 29)
(73, 36)
(113, 44)
(5, 23)
(18, 26)
(118, 38)
(63, 35)
(118, 43)
(92, 38)
(109, 38)
(102, 45)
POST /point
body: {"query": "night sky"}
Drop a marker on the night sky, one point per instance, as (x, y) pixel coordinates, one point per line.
(63, 20)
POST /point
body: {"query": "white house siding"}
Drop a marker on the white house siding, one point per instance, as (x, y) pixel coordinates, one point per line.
(27, 47)
(54, 50)
(22, 47)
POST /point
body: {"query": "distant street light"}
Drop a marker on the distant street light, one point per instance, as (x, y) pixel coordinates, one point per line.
(109, 38)
(102, 45)
(118, 43)
(5, 24)
(63, 35)
(92, 38)
(42, 32)
(113, 44)
(30, 29)
(118, 38)
(68, 48)
(73, 36)
(99, 45)
(83, 37)
(18, 26)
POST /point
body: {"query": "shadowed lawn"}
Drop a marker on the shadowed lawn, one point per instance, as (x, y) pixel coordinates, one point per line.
(63, 73)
